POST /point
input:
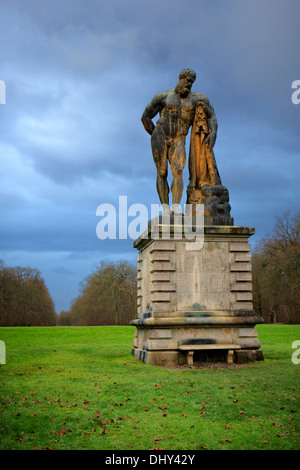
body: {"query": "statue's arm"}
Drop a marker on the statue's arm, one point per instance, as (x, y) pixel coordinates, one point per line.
(212, 124)
(151, 111)
(211, 120)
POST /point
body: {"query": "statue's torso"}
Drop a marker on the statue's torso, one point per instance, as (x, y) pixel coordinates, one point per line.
(177, 114)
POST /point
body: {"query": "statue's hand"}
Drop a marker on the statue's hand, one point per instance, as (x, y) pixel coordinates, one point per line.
(148, 125)
(210, 140)
(191, 186)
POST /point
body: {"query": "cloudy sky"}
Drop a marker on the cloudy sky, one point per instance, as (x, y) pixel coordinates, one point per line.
(78, 76)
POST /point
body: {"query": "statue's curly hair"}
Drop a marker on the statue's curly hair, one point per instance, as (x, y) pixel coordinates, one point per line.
(186, 72)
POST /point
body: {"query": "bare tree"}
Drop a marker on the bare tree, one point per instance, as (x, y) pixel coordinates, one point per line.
(276, 271)
(24, 298)
(108, 296)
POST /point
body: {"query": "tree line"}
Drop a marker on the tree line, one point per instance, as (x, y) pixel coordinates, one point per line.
(108, 295)
(276, 272)
(24, 298)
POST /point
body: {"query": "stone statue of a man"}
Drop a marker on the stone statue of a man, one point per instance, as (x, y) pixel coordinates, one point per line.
(177, 109)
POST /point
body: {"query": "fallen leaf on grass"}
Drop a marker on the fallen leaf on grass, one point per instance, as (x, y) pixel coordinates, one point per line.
(62, 431)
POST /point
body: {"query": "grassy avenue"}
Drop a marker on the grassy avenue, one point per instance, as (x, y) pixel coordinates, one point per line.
(66, 388)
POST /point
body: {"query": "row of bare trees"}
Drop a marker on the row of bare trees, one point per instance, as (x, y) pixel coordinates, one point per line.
(24, 298)
(276, 272)
(107, 297)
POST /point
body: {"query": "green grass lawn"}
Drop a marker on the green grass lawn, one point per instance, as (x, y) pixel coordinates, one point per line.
(79, 388)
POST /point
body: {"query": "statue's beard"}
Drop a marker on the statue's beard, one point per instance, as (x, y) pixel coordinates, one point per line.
(182, 90)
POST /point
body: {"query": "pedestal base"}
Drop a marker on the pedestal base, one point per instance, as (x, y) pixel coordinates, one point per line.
(196, 305)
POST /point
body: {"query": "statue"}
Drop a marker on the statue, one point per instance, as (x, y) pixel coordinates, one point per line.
(179, 108)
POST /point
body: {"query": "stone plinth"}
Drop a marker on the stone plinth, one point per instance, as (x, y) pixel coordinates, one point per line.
(195, 300)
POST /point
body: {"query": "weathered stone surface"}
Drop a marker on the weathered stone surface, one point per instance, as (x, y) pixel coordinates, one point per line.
(161, 334)
(179, 109)
(195, 297)
(215, 200)
(160, 255)
(242, 257)
(241, 286)
(161, 266)
(162, 245)
(243, 276)
(196, 293)
(240, 267)
(160, 276)
(246, 332)
(241, 246)
(163, 286)
(248, 355)
(243, 296)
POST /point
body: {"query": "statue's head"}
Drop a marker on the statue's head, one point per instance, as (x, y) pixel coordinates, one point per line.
(185, 81)
(188, 73)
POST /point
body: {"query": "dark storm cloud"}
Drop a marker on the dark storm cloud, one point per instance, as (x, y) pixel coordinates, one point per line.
(78, 76)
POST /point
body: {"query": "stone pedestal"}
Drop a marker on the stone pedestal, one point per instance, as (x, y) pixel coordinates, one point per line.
(196, 304)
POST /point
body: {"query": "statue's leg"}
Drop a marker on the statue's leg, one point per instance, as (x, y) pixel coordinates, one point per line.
(159, 151)
(177, 158)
